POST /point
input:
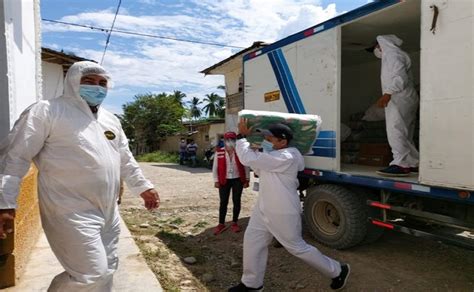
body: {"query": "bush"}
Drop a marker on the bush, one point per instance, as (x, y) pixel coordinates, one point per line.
(159, 156)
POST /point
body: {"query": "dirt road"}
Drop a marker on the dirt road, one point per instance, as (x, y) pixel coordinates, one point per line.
(182, 228)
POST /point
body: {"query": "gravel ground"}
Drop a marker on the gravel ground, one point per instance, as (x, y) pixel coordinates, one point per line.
(179, 246)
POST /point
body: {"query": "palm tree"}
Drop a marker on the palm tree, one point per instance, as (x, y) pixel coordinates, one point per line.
(212, 106)
(178, 96)
(194, 109)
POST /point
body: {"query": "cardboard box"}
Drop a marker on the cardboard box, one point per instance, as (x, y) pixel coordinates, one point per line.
(375, 149)
(374, 160)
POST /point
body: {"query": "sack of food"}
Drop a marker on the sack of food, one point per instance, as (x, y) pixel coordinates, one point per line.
(305, 127)
(374, 114)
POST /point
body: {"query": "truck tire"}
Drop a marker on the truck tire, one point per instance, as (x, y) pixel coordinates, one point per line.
(373, 232)
(335, 216)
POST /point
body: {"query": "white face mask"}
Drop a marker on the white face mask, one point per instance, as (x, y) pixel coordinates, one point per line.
(230, 144)
(378, 53)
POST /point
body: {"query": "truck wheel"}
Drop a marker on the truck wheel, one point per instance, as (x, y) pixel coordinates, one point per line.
(373, 232)
(335, 216)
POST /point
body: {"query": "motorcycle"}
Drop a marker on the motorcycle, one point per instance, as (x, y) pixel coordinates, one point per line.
(209, 156)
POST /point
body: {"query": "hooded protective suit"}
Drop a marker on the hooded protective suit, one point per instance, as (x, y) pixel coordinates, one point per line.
(81, 158)
(400, 113)
(277, 213)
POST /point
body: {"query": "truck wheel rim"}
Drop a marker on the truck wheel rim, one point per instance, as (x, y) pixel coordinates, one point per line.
(326, 217)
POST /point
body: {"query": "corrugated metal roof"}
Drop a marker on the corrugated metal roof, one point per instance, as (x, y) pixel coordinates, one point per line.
(60, 58)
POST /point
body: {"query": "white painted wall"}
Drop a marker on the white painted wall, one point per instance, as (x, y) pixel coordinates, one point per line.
(232, 81)
(53, 79)
(21, 49)
(231, 122)
(215, 131)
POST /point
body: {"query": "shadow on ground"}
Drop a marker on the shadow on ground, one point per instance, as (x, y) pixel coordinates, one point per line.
(218, 257)
(389, 263)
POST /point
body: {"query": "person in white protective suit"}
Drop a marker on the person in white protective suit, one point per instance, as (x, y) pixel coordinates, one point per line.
(400, 101)
(277, 212)
(81, 154)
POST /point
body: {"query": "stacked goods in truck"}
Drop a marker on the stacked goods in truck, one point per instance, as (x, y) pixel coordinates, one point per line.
(367, 144)
(375, 154)
(305, 127)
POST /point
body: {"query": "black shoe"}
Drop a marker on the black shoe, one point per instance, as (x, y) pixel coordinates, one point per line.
(414, 169)
(242, 288)
(340, 281)
(394, 170)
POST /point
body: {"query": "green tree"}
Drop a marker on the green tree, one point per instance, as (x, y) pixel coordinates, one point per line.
(213, 104)
(194, 110)
(151, 117)
(179, 96)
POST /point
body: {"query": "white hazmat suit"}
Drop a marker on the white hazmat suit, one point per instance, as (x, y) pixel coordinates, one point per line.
(81, 158)
(400, 113)
(277, 213)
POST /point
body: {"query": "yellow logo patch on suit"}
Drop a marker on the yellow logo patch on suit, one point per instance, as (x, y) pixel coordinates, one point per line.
(109, 135)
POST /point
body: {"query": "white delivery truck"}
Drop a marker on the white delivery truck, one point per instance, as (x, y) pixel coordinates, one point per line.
(325, 70)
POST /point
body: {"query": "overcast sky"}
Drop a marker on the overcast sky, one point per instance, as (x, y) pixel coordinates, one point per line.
(141, 64)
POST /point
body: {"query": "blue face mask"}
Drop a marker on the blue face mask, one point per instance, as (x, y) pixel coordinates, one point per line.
(92, 94)
(267, 146)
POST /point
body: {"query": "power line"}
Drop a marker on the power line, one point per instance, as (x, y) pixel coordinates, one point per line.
(110, 32)
(142, 34)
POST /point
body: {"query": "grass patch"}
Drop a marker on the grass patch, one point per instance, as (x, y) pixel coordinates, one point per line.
(167, 283)
(159, 156)
(177, 221)
(201, 224)
(171, 236)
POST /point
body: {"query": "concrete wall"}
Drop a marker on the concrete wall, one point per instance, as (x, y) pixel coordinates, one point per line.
(4, 98)
(232, 80)
(21, 51)
(208, 134)
(53, 79)
(20, 76)
(216, 131)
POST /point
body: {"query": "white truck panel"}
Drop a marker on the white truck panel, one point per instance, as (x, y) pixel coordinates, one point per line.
(447, 95)
(260, 79)
(319, 59)
(313, 58)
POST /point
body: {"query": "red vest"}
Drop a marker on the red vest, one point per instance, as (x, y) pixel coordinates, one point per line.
(222, 167)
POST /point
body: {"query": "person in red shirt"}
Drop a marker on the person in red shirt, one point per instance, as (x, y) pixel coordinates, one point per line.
(229, 174)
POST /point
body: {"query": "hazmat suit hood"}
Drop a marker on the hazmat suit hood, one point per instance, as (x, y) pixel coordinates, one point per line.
(388, 42)
(76, 72)
(390, 45)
